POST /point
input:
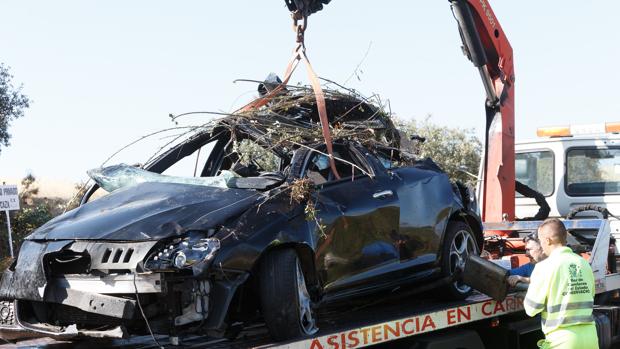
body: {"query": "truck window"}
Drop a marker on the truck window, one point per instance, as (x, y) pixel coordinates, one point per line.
(592, 171)
(535, 169)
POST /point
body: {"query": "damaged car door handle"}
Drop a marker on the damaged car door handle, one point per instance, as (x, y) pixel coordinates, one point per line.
(382, 194)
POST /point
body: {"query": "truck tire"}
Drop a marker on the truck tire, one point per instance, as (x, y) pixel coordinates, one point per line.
(285, 302)
(459, 241)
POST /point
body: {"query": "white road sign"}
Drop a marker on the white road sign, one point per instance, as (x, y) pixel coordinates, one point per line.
(9, 199)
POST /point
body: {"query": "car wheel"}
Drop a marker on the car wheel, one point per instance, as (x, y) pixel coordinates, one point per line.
(459, 243)
(285, 300)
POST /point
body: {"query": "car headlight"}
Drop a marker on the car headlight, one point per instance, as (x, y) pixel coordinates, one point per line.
(184, 254)
(180, 260)
(203, 250)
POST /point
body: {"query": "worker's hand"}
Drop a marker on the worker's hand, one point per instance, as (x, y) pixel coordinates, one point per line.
(514, 279)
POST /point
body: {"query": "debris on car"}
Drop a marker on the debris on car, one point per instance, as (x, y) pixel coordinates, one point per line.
(260, 230)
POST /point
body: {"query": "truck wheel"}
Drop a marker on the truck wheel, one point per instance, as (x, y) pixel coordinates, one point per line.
(459, 242)
(285, 301)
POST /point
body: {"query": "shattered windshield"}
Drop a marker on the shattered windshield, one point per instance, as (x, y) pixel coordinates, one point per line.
(116, 177)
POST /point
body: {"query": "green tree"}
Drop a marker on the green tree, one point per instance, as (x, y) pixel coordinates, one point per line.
(454, 149)
(12, 104)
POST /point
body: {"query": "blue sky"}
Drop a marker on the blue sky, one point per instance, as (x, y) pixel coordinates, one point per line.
(103, 73)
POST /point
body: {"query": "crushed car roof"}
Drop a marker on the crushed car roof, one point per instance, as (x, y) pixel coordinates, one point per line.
(291, 119)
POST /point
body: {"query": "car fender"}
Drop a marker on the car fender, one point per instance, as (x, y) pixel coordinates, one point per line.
(244, 256)
(273, 224)
(473, 221)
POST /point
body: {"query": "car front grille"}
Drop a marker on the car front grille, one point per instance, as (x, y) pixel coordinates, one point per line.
(114, 255)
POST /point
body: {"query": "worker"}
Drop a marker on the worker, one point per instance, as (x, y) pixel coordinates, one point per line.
(534, 252)
(562, 289)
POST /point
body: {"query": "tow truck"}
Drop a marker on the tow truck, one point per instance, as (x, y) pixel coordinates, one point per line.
(479, 321)
(572, 166)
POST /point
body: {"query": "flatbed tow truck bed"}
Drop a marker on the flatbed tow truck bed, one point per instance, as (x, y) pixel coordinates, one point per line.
(353, 326)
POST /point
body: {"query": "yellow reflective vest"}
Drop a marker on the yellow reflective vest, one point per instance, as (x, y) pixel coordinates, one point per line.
(562, 288)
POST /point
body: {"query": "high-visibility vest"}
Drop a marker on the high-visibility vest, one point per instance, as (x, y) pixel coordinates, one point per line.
(562, 288)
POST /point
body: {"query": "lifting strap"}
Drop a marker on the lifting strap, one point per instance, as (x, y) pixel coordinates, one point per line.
(299, 54)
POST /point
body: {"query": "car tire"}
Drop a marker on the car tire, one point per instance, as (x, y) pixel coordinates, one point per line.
(285, 302)
(459, 241)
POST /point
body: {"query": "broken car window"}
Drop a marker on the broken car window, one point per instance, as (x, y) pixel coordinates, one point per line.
(191, 165)
(387, 163)
(347, 163)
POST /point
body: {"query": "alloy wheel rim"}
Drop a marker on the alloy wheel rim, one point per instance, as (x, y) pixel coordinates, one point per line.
(306, 313)
(462, 245)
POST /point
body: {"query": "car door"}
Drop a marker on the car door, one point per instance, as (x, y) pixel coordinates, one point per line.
(358, 217)
(426, 202)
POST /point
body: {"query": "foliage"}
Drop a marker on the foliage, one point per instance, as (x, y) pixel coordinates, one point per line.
(252, 153)
(454, 149)
(12, 104)
(291, 120)
(301, 190)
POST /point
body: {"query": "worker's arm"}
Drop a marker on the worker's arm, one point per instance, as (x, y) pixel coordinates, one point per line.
(536, 296)
(306, 7)
(524, 270)
(513, 280)
(520, 274)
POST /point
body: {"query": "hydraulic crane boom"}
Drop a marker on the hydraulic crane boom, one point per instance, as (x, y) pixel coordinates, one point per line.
(486, 45)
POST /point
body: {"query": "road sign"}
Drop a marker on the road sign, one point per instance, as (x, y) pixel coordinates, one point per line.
(9, 198)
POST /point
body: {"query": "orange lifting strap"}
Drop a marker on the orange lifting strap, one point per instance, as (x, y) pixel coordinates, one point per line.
(300, 54)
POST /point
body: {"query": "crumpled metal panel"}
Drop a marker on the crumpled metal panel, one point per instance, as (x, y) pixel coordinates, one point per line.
(148, 211)
(28, 280)
(92, 302)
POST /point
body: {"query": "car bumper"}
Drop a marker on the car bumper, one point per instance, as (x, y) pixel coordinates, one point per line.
(13, 329)
(76, 291)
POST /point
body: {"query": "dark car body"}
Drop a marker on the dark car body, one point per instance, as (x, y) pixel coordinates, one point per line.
(105, 267)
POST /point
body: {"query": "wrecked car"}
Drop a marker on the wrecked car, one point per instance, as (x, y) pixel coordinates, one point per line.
(262, 229)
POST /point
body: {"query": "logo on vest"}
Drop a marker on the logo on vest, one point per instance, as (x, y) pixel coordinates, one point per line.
(574, 271)
(576, 283)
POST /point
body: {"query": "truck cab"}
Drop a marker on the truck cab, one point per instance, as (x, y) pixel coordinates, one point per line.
(571, 166)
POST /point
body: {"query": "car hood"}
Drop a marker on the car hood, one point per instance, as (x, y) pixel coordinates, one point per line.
(149, 211)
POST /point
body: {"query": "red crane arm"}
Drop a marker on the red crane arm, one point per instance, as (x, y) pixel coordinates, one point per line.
(486, 45)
